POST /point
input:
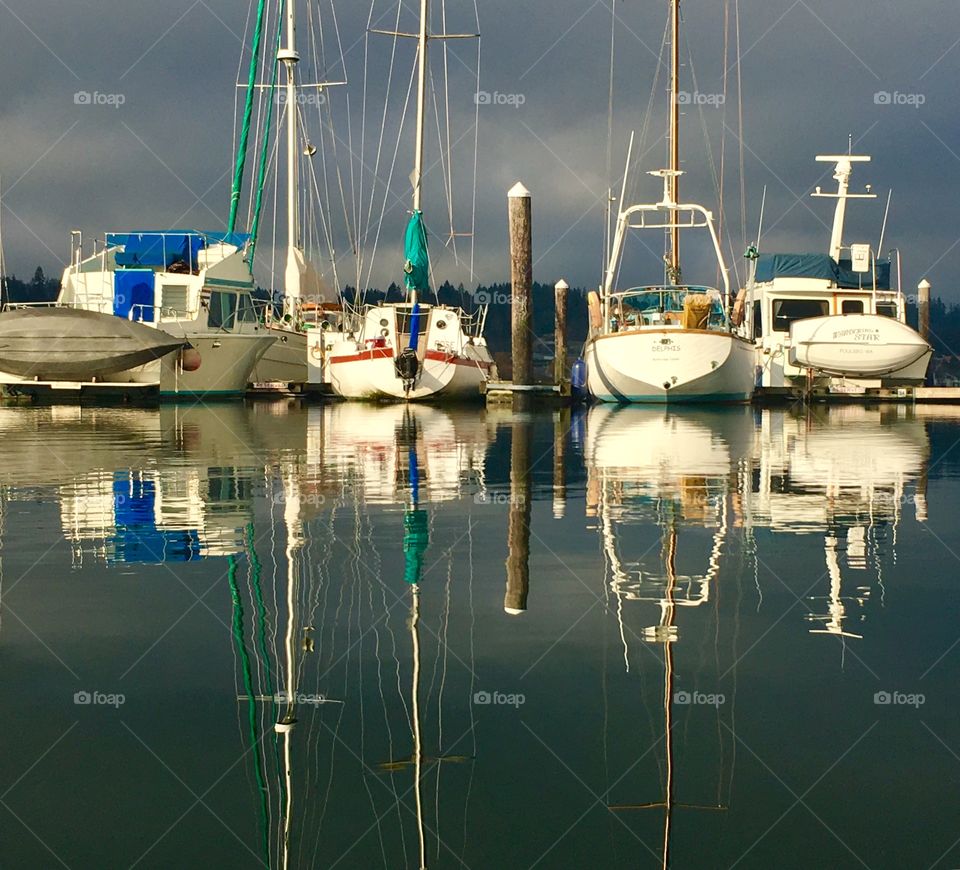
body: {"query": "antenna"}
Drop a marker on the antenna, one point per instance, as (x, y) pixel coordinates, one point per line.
(883, 228)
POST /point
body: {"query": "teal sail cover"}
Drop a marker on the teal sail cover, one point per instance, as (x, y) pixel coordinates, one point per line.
(417, 266)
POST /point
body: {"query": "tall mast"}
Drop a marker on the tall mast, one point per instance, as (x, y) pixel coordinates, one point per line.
(421, 102)
(674, 135)
(289, 58)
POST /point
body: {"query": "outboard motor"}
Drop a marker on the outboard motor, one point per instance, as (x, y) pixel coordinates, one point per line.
(407, 367)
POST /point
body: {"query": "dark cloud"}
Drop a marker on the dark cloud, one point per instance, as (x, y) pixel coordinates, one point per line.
(811, 74)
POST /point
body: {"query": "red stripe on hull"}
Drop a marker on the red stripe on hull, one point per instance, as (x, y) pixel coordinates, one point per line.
(375, 353)
(453, 359)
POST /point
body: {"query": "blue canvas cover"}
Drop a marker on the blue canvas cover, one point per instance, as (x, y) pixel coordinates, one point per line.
(819, 266)
(163, 248)
(137, 538)
(133, 289)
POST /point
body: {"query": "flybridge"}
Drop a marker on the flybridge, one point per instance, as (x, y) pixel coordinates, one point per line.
(823, 267)
(153, 248)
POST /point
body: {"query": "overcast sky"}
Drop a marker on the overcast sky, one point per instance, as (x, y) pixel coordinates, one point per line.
(812, 71)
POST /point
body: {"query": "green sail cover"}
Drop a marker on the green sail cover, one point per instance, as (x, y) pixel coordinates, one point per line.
(416, 539)
(417, 267)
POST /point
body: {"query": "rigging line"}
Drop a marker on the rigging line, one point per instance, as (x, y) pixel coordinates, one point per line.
(255, 226)
(351, 228)
(446, 98)
(389, 182)
(607, 230)
(647, 117)
(716, 177)
(246, 31)
(723, 128)
(237, 630)
(383, 127)
(476, 162)
(743, 179)
(247, 115)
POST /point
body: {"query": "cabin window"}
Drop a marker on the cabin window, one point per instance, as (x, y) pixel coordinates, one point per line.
(786, 311)
(247, 313)
(223, 310)
(403, 321)
(887, 309)
(757, 324)
(852, 306)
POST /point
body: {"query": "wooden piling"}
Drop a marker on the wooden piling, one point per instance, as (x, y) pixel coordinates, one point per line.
(561, 429)
(518, 520)
(560, 333)
(521, 282)
(923, 309)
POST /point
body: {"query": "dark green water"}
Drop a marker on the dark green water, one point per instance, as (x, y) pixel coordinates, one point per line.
(351, 636)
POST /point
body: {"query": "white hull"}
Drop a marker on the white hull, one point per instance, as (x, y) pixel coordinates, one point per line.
(226, 362)
(285, 361)
(859, 346)
(372, 375)
(668, 366)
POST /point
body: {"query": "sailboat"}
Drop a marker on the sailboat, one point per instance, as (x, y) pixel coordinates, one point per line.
(414, 350)
(672, 342)
(304, 291)
(836, 320)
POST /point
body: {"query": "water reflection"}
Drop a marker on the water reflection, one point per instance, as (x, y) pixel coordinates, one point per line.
(366, 563)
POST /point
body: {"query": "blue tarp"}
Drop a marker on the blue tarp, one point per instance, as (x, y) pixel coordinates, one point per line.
(821, 266)
(154, 248)
(134, 289)
(137, 538)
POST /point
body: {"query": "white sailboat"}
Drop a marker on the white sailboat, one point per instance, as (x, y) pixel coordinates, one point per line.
(305, 304)
(413, 351)
(835, 320)
(673, 342)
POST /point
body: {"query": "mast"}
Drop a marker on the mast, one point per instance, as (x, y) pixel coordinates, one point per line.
(674, 136)
(842, 172)
(289, 58)
(421, 103)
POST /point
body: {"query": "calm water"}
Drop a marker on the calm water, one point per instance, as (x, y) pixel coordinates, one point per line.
(364, 637)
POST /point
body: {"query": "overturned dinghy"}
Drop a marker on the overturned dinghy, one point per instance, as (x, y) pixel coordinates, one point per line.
(72, 344)
(859, 346)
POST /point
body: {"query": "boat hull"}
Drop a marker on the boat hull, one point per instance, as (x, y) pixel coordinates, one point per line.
(372, 375)
(226, 365)
(860, 346)
(670, 366)
(285, 361)
(72, 344)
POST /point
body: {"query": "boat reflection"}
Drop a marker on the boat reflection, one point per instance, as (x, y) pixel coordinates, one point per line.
(846, 475)
(374, 551)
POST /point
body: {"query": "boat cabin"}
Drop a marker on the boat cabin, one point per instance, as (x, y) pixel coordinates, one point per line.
(785, 288)
(197, 280)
